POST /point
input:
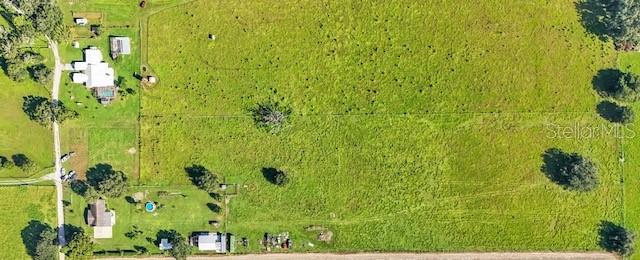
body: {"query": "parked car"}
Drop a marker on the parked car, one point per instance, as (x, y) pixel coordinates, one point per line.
(68, 156)
(70, 176)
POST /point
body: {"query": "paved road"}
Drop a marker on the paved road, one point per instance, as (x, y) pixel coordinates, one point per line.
(55, 90)
(409, 256)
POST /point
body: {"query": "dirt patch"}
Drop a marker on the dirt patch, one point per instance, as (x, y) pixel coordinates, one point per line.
(79, 143)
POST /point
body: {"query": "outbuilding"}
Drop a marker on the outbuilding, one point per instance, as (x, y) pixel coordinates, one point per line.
(81, 21)
(120, 46)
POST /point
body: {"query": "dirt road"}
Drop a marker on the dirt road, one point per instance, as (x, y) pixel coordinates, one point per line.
(410, 256)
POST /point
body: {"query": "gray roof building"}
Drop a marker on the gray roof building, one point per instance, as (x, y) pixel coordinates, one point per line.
(120, 45)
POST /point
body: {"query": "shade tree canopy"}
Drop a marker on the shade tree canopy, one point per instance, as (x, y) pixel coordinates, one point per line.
(42, 111)
(616, 239)
(570, 170)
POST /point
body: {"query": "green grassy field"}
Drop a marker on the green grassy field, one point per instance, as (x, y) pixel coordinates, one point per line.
(19, 135)
(20, 206)
(417, 125)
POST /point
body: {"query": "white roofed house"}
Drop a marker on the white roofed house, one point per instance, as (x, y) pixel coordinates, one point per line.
(96, 75)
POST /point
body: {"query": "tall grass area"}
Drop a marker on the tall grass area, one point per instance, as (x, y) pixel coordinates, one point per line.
(417, 125)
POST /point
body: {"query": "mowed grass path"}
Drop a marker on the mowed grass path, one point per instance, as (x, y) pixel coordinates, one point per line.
(417, 125)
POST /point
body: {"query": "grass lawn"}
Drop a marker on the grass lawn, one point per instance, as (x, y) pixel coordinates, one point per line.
(35, 203)
(183, 209)
(417, 125)
(37, 143)
(631, 62)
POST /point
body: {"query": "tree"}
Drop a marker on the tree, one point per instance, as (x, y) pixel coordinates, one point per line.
(46, 248)
(40, 73)
(617, 239)
(181, 248)
(275, 176)
(16, 71)
(48, 19)
(624, 24)
(6, 163)
(202, 178)
(571, 171)
(80, 247)
(23, 162)
(207, 182)
(107, 181)
(271, 116)
(42, 111)
(628, 87)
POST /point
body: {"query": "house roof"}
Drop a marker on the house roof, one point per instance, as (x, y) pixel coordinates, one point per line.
(79, 65)
(79, 78)
(100, 75)
(212, 242)
(99, 216)
(93, 55)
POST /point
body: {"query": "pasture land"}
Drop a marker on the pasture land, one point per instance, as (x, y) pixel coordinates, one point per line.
(20, 206)
(417, 125)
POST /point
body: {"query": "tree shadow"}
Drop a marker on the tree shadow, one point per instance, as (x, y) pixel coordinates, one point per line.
(215, 196)
(554, 160)
(70, 231)
(79, 187)
(3, 160)
(195, 171)
(30, 105)
(612, 238)
(270, 174)
(31, 235)
(20, 160)
(605, 82)
(98, 173)
(214, 207)
(593, 15)
(611, 112)
(130, 200)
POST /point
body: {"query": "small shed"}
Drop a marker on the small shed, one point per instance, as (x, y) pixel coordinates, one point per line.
(165, 245)
(81, 21)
